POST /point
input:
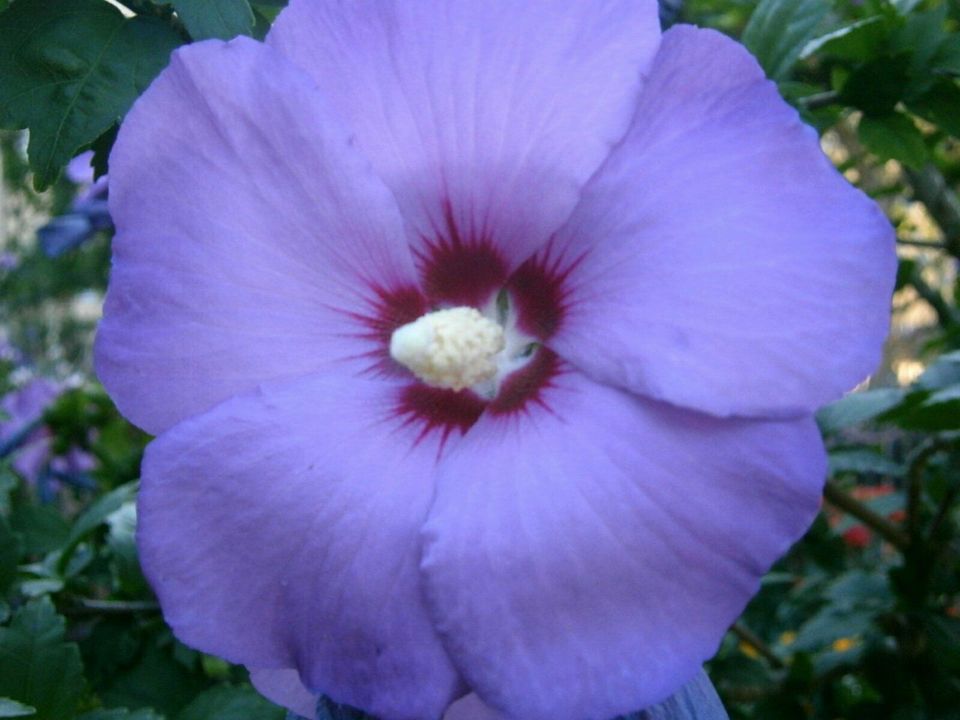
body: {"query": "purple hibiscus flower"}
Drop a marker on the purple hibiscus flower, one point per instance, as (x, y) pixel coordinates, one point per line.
(30, 443)
(482, 340)
(21, 431)
(88, 213)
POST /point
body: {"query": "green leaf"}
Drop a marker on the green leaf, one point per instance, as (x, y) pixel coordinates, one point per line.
(778, 31)
(40, 586)
(111, 645)
(10, 549)
(894, 137)
(156, 681)
(266, 12)
(944, 371)
(827, 626)
(857, 408)
(122, 714)
(41, 527)
(8, 481)
(905, 7)
(99, 511)
(939, 412)
(861, 461)
(121, 539)
(948, 394)
(940, 105)
(262, 21)
(11, 709)
(858, 41)
(930, 411)
(230, 703)
(947, 59)
(933, 402)
(944, 638)
(101, 152)
(71, 69)
(96, 515)
(878, 85)
(921, 38)
(222, 19)
(859, 589)
(36, 666)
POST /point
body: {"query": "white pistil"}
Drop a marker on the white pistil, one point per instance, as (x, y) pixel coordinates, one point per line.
(455, 348)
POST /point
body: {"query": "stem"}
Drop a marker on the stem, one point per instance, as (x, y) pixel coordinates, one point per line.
(948, 499)
(928, 244)
(753, 640)
(819, 100)
(879, 524)
(945, 314)
(917, 464)
(931, 188)
(90, 606)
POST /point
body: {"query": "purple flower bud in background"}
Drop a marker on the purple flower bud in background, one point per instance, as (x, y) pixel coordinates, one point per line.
(88, 213)
(79, 170)
(482, 341)
(670, 11)
(29, 443)
(22, 435)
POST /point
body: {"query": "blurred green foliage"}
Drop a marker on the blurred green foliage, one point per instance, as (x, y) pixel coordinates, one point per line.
(860, 621)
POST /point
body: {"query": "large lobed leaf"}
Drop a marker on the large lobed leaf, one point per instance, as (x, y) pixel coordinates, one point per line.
(71, 69)
(230, 703)
(222, 19)
(121, 714)
(779, 30)
(37, 667)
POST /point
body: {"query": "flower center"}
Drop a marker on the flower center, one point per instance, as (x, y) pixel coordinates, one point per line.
(474, 337)
(454, 348)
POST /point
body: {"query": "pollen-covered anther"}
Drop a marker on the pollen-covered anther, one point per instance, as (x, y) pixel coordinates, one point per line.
(454, 348)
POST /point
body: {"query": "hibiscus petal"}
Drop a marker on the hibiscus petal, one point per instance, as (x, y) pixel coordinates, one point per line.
(281, 529)
(284, 687)
(718, 258)
(470, 707)
(247, 227)
(484, 118)
(583, 559)
(697, 700)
